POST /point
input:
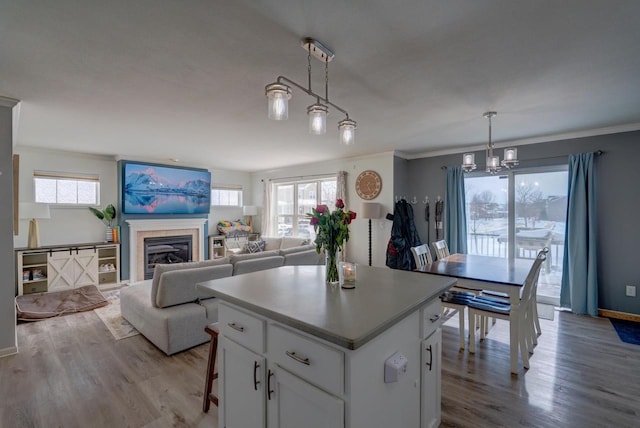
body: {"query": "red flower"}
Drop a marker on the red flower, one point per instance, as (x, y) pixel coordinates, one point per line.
(320, 209)
(339, 203)
(350, 216)
(314, 221)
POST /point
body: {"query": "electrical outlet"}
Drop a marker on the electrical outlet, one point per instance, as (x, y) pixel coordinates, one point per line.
(631, 290)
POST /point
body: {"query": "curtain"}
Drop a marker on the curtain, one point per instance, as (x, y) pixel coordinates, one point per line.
(579, 286)
(341, 193)
(455, 216)
(266, 210)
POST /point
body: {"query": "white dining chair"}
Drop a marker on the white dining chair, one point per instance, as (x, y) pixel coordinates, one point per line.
(422, 257)
(486, 307)
(441, 249)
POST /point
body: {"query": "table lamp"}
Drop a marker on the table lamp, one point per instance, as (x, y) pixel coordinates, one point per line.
(370, 210)
(249, 211)
(33, 211)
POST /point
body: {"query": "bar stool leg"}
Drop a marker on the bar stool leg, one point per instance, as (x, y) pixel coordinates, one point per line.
(209, 397)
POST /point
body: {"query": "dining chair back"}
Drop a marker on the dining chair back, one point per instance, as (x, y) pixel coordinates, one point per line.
(421, 255)
(483, 307)
(441, 249)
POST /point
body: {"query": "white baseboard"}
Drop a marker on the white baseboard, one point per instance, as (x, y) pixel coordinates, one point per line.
(8, 351)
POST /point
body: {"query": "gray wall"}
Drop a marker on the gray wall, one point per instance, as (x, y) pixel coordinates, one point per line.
(618, 202)
(7, 259)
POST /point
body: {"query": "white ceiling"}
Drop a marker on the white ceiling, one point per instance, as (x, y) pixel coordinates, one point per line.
(160, 79)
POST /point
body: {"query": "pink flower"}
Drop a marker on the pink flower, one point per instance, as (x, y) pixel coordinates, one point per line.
(339, 203)
(314, 221)
(320, 209)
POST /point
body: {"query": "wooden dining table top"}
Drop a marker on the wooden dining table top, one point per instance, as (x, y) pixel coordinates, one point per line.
(481, 268)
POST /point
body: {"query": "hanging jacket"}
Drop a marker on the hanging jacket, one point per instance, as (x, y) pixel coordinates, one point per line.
(403, 236)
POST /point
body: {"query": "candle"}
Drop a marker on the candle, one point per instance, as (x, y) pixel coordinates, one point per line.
(347, 274)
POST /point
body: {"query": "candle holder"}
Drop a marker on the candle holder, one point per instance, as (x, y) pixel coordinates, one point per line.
(347, 275)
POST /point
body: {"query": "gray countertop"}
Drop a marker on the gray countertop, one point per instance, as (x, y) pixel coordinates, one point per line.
(298, 297)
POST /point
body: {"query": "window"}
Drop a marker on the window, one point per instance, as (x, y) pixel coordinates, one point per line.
(515, 214)
(66, 188)
(292, 201)
(226, 196)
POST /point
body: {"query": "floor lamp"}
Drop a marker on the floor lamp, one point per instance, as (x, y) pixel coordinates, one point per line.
(370, 210)
(33, 211)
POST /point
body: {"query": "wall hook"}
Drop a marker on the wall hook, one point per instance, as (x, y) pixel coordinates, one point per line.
(426, 200)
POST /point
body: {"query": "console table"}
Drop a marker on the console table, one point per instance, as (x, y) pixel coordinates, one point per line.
(296, 352)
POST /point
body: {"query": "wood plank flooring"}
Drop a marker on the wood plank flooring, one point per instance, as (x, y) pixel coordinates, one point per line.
(70, 372)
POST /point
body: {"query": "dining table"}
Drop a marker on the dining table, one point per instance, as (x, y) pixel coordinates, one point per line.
(477, 272)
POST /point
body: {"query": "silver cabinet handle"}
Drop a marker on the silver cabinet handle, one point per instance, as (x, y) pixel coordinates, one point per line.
(236, 327)
(434, 318)
(299, 359)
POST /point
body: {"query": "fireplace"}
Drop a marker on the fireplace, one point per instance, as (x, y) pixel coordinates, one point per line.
(140, 230)
(166, 250)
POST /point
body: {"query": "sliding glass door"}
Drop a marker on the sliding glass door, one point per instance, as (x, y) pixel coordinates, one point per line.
(518, 213)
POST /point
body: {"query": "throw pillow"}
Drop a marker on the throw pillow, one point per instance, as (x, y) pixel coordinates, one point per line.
(254, 246)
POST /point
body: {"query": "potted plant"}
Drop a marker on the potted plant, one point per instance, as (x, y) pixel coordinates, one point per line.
(107, 216)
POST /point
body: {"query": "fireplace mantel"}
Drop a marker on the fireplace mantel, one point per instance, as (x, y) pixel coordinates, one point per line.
(140, 229)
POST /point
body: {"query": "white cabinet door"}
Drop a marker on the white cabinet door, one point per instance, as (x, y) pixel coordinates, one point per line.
(71, 269)
(431, 380)
(295, 403)
(242, 388)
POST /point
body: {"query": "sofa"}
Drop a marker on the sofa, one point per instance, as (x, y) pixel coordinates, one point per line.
(170, 311)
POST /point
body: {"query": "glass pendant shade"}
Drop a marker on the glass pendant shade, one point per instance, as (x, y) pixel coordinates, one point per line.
(278, 96)
(468, 162)
(347, 129)
(493, 164)
(317, 119)
(510, 157)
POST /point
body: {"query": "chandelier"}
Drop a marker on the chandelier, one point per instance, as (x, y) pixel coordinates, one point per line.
(493, 162)
(279, 93)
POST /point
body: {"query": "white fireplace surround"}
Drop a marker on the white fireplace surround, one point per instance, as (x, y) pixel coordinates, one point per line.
(141, 229)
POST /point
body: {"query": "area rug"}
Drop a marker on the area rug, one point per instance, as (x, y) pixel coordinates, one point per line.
(628, 331)
(34, 307)
(546, 312)
(112, 318)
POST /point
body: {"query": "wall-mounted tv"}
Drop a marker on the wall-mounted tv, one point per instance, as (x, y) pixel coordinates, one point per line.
(158, 189)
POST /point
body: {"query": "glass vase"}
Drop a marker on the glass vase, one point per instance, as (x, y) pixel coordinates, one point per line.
(331, 269)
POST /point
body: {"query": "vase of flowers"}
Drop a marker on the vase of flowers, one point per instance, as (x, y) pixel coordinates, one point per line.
(332, 231)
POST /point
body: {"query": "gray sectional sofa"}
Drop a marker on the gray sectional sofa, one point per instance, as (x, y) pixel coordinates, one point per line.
(170, 312)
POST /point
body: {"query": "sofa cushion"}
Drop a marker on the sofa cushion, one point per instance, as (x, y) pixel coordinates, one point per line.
(162, 268)
(271, 243)
(291, 241)
(235, 258)
(179, 286)
(254, 265)
(301, 258)
(297, 249)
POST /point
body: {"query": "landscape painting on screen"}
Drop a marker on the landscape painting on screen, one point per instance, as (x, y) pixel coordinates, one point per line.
(155, 189)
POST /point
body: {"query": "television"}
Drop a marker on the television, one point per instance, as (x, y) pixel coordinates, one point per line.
(160, 189)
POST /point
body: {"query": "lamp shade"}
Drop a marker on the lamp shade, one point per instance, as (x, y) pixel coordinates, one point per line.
(370, 210)
(317, 119)
(347, 130)
(249, 210)
(33, 210)
(278, 96)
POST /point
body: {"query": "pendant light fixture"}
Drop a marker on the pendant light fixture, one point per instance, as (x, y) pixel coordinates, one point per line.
(493, 162)
(279, 93)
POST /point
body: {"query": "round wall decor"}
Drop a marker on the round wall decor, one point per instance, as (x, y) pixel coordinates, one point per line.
(368, 184)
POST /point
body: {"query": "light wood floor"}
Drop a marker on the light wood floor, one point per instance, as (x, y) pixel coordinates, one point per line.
(70, 372)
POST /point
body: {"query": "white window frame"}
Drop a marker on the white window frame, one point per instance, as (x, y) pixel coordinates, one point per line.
(296, 216)
(226, 188)
(68, 178)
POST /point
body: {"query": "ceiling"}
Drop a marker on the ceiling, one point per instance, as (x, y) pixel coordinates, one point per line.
(160, 79)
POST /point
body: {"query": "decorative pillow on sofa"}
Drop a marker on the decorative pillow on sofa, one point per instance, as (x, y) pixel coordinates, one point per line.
(254, 246)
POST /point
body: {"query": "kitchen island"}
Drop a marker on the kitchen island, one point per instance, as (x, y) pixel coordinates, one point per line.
(296, 352)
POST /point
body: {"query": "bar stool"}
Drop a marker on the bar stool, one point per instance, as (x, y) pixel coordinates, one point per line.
(211, 329)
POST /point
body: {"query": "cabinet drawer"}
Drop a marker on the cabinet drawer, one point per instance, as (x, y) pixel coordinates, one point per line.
(307, 358)
(241, 327)
(431, 318)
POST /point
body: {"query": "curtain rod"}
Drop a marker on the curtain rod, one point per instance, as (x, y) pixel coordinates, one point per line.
(299, 177)
(597, 153)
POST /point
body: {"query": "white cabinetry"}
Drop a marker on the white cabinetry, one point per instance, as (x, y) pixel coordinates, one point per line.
(63, 267)
(431, 380)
